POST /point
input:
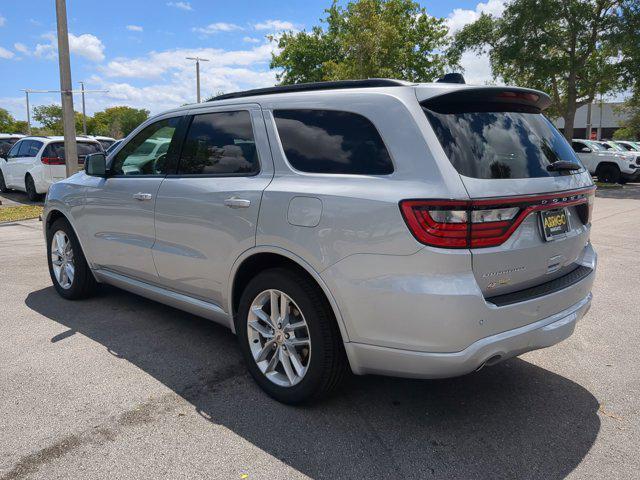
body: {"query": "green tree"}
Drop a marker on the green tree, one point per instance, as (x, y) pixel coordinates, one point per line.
(116, 122)
(570, 48)
(630, 128)
(50, 117)
(6, 121)
(366, 39)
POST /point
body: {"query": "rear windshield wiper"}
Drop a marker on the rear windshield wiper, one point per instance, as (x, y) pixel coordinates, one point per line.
(562, 165)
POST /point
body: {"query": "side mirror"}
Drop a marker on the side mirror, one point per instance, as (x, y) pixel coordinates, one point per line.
(95, 164)
(585, 150)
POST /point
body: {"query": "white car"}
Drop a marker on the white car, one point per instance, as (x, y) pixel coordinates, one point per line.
(34, 163)
(628, 145)
(609, 165)
(106, 142)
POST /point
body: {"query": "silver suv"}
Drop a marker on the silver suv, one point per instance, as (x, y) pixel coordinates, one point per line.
(374, 226)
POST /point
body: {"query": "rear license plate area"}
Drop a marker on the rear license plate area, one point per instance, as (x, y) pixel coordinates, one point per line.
(555, 223)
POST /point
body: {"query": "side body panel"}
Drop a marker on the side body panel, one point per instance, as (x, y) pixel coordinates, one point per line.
(199, 231)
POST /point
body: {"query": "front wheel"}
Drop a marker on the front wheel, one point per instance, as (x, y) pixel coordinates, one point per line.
(608, 173)
(289, 337)
(70, 273)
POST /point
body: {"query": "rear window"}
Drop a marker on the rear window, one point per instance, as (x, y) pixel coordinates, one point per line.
(56, 149)
(482, 143)
(328, 141)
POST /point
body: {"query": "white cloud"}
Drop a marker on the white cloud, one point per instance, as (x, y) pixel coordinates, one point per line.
(461, 17)
(162, 80)
(217, 27)
(274, 25)
(157, 64)
(7, 54)
(85, 45)
(181, 5)
(251, 40)
(21, 47)
(2, 21)
(135, 28)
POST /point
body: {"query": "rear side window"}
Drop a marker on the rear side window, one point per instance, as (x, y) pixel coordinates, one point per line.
(220, 143)
(492, 142)
(328, 141)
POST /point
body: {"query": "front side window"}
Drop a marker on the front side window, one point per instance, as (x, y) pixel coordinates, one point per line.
(148, 152)
(15, 149)
(220, 143)
(329, 141)
(489, 143)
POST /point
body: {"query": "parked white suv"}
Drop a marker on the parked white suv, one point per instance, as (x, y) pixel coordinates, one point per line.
(609, 165)
(34, 163)
(629, 146)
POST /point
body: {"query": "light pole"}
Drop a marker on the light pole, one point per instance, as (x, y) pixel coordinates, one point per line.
(68, 116)
(26, 94)
(198, 60)
(84, 114)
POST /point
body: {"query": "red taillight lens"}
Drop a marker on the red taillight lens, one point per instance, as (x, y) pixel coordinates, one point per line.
(52, 160)
(483, 223)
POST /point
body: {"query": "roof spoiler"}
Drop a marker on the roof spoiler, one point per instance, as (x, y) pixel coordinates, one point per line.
(516, 97)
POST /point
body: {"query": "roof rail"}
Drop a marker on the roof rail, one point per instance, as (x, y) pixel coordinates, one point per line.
(312, 86)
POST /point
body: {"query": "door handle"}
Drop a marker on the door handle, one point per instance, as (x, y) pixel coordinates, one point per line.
(142, 196)
(234, 202)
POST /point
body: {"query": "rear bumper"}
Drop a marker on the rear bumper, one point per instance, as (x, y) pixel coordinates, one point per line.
(371, 359)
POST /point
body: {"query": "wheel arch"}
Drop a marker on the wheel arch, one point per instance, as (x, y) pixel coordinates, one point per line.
(54, 214)
(261, 258)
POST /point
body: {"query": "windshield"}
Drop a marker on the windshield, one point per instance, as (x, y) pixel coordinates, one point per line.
(594, 145)
(499, 144)
(616, 147)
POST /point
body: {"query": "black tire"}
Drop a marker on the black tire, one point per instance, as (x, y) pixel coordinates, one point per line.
(30, 187)
(327, 364)
(84, 284)
(3, 185)
(608, 173)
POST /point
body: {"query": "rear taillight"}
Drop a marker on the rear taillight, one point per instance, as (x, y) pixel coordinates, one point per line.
(52, 160)
(486, 222)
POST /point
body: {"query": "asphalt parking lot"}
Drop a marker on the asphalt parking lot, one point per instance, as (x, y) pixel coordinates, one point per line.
(121, 387)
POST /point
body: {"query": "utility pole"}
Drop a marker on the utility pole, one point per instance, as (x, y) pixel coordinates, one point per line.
(26, 93)
(68, 115)
(84, 115)
(198, 60)
(84, 112)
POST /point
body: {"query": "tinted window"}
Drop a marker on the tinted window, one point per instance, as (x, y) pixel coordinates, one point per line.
(326, 141)
(56, 150)
(146, 153)
(14, 150)
(106, 143)
(29, 148)
(500, 144)
(219, 144)
(577, 146)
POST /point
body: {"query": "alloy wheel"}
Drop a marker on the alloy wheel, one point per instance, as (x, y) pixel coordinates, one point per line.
(62, 259)
(279, 338)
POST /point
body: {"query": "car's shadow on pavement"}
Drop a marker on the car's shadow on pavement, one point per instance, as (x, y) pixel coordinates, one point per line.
(514, 420)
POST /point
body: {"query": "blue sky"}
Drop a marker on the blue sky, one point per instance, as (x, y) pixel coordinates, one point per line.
(136, 49)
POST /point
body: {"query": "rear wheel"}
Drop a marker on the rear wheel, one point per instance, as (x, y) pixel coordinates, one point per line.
(3, 185)
(70, 273)
(608, 173)
(30, 187)
(289, 337)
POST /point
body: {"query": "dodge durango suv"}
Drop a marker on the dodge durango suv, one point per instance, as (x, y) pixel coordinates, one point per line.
(367, 226)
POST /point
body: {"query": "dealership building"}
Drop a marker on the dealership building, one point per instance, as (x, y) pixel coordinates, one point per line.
(604, 121)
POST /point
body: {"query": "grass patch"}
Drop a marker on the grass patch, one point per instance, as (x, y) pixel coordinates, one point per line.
(608, 186)
(22, 212)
